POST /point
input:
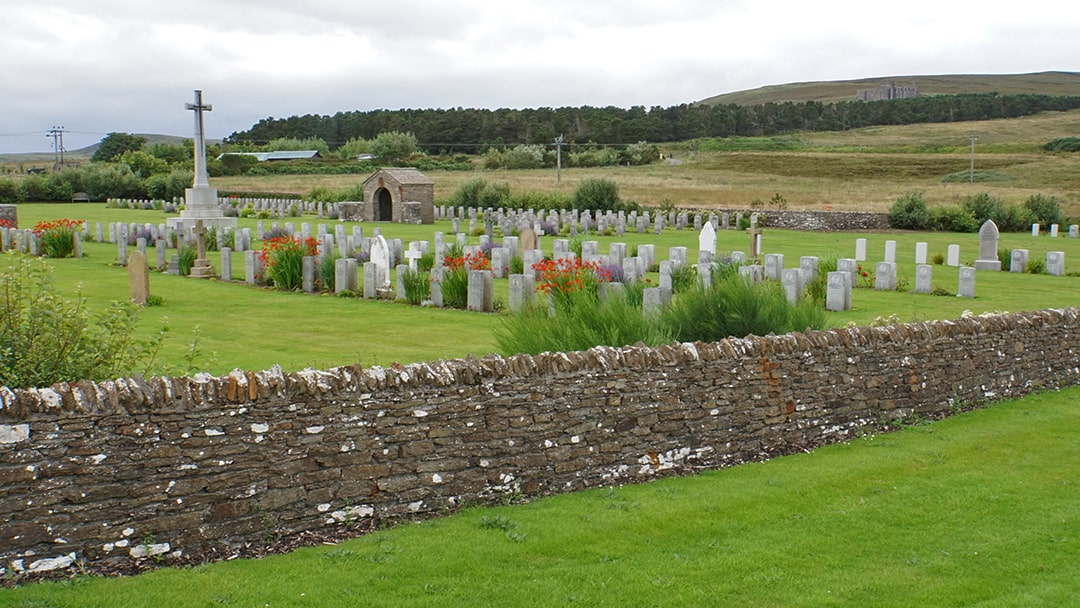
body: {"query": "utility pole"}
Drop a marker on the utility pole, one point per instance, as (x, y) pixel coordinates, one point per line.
(57, 135)
(558, 158)
(971, 171)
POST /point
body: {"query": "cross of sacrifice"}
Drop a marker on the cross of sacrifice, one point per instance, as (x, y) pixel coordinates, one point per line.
(201, 177)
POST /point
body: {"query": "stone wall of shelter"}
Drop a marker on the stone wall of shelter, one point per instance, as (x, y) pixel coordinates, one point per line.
(190, 468)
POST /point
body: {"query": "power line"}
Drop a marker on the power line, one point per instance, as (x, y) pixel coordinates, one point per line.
(57, 134)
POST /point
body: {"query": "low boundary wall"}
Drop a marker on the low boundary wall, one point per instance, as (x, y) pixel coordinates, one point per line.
(186, 468)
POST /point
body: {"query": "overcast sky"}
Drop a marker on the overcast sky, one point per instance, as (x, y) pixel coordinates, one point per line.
(97, 66)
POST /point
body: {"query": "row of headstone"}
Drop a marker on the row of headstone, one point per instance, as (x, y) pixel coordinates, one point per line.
(577, 222)
(1074, 230)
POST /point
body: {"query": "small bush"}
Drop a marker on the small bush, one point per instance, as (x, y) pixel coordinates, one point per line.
(952, 218)
(1045, 210)
(937, 259)
(597, 194)
(981, 206)
(46, 338)
(1013, 218)
(1035, 266)
(909, 212)
(9, 192)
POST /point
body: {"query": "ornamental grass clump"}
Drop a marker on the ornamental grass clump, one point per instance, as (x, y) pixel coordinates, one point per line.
(733, 306)
(455, 283)
(417, 285)
(283, 258)
(58, 236)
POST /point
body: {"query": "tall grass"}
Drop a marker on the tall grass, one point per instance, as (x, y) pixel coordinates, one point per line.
(734, 306)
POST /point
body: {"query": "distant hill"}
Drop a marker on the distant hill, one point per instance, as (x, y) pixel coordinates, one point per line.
(1042, 83)
(83, 154)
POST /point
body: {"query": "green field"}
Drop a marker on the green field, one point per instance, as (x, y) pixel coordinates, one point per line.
(241, 326)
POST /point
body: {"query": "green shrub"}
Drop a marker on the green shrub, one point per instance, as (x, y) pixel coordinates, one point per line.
(1013, 218)
(1045, 210)
(952, 218)
(46, 338)
(909, 212)
(480, 193)
(937, 259)
(981, 206)
(1035, 266)
(597, 194)
(542, 200)
(9, 192)
(733, 306)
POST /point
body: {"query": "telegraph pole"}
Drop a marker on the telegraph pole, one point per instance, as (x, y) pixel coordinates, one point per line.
(971, 171)
(558, 158)
(57, 135)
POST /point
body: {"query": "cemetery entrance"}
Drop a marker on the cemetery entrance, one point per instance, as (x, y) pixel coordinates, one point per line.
(384, 206)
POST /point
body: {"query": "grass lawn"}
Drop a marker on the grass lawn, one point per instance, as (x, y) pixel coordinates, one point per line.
(976, 510)
(238, 326)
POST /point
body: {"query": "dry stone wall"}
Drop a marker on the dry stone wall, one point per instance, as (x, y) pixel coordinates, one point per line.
(184, 468)
(824, 221)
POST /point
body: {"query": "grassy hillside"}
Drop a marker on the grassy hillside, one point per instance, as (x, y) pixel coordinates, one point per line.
(1043, 83)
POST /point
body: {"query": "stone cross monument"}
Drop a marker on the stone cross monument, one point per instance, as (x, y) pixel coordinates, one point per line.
(200, 200)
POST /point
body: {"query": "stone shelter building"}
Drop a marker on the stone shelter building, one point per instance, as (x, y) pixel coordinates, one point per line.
(403, 195)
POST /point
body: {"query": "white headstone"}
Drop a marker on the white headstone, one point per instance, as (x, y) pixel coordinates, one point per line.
(860, 250)
(707, 239)
(1055, 263)
(954, 255)
(966, 288)
(380, 256)
(924, 277)
(920, 253)
(1018, 260)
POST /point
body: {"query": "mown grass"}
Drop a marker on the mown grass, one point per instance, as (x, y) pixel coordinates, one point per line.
(238, 326)
(976, 510)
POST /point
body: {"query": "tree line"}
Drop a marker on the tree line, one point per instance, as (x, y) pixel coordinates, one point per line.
(473, 131)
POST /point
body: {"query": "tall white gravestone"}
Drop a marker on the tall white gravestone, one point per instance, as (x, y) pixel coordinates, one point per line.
(200, 200)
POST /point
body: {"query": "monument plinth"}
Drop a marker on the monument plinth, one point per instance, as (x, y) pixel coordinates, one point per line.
(200, 200)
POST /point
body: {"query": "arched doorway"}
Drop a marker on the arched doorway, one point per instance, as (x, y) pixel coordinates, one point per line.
(384, 206)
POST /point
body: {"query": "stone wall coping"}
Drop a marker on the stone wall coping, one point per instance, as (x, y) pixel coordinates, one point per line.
(205, 391)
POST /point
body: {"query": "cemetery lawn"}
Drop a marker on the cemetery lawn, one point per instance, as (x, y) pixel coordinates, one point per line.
(233, 325)
(978, 509)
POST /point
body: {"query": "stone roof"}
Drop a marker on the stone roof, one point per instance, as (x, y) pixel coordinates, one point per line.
(402, 175)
